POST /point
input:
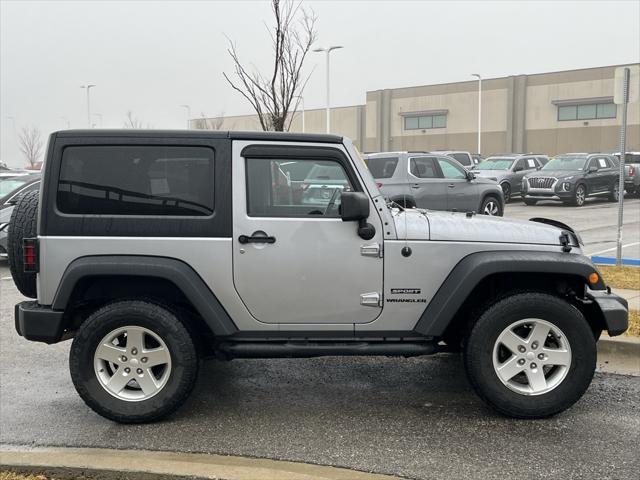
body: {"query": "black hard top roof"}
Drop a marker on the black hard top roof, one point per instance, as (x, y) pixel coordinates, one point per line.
(233, 135)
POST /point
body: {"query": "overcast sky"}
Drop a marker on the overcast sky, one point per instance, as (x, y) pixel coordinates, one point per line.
(150, 57)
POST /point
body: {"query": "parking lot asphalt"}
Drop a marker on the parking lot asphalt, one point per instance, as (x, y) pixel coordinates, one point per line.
(412, 417)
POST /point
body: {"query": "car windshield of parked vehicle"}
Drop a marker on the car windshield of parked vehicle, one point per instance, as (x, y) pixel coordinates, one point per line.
(565, 163)
(495, 164)
(8, 185)
(382, 167)
(463, 158)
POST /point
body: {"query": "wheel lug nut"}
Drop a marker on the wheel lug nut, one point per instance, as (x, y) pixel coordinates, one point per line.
(139, 371)
(123, 358)
(534, 345)
(541, 356)
(127, 370)
(521, 361)
(134, 351)
(144, 359)
(521, 349)
(533, 366)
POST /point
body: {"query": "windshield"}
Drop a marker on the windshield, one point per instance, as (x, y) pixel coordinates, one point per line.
(8, 185)
(565, 163)
(463, 158)
(495, 164)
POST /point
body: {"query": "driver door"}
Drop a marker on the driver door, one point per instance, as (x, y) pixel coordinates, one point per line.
(294, 260)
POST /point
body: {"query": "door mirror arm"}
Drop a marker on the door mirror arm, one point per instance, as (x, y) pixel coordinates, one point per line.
(471, 176)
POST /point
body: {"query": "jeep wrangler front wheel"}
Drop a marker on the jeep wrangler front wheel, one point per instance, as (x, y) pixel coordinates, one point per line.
(530, 355)
(133, 362)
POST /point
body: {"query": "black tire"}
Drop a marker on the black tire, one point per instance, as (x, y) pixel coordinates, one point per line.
(164, 324)
(506, 190)
(614, 192)
(493, 203)
(579, 195)
(478, 355)
(23, 224)
(530, 202)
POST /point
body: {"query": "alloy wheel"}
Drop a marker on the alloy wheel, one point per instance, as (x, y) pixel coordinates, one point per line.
(491, 208)
(580, 195)
(132, 363)
(531, 356)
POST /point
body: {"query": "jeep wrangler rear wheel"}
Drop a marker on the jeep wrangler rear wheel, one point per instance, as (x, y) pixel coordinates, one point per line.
(133, 362)
(530, 355)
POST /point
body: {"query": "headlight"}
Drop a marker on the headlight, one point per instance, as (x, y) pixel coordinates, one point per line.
(566, 186)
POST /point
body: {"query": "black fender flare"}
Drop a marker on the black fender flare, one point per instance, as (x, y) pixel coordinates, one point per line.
(175, 271)
(474, 268)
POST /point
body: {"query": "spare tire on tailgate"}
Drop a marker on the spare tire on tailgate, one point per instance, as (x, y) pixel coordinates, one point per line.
(23, 224)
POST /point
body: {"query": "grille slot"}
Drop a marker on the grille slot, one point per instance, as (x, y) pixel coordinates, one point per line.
(541, 182)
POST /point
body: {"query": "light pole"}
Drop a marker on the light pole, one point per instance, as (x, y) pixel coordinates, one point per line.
(302, 102)
(479, 111)
(188, 108)
(328, 52)
(89, 86)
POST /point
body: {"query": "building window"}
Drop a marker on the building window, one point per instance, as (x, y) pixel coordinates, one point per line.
(587, 111)
(424, 122)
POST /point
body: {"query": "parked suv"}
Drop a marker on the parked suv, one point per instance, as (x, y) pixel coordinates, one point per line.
(508, 171)
(152, 249)
(433, 181)
(11, 189)
(572, 178)
(466, 159)
(631, 172)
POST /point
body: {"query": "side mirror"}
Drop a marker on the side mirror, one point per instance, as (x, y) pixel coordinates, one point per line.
(354, 206)
(518, 169)
(593, 169)
(471, 176)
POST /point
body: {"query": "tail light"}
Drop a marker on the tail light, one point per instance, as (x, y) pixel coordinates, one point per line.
(378, 184)
(632, 171)
(30, 254)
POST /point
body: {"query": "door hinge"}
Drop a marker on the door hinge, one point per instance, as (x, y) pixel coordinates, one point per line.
(371, 250)
(372, 299)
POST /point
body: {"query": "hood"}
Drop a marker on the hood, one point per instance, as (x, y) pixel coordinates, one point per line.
(554, 173)
(491, 174)
(416, 224)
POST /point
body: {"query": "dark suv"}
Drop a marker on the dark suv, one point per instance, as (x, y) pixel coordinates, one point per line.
(572, 178)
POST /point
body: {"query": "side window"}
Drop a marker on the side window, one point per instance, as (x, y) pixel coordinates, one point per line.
(463, 158)
(382, 167)
(272, 192)
(532, 163)
(603, 163)
(593, 163)
(136, 180)
(424, 167)
(520, 165)
(451, 170)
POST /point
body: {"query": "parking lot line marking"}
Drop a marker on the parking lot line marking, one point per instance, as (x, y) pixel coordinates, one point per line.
(612, 249)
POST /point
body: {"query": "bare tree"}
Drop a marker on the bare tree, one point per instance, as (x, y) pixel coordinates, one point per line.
(131, 121)
(271, 96)
(31, 144)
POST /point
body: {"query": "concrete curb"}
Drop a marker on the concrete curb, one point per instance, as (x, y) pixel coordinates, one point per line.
(619, 355)
(218, 467)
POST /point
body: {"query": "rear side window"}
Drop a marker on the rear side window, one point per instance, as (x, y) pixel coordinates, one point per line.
(424, 167)
(136, 180)
(382, 167)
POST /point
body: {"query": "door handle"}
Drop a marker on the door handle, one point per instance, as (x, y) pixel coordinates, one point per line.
(415, 185)
(249, 239)
(451, 185)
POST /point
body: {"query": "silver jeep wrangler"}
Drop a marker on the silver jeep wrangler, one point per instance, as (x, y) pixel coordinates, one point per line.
(154, 249)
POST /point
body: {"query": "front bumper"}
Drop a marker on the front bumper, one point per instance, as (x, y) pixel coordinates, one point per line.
(540, 194)
(615, 310)
(38, 323)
